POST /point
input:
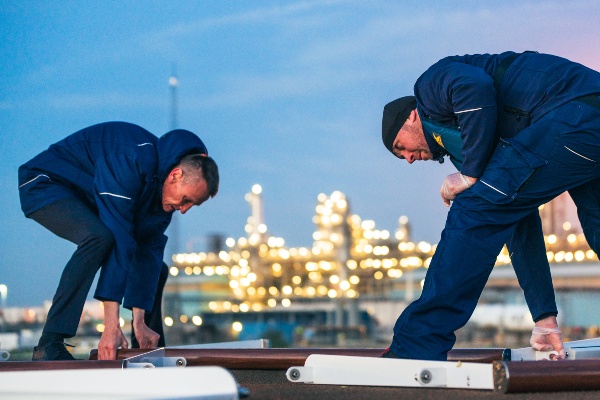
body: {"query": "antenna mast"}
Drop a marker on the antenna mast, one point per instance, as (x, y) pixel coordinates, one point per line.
(174, 228)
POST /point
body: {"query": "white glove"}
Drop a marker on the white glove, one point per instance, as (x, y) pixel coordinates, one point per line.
(453, 185)
(548, 339)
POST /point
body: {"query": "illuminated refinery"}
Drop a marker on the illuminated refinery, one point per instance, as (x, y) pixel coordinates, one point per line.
(350, 260)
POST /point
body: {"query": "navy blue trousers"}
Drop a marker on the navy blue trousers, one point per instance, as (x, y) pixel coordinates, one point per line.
(73, 220)
(558, 153)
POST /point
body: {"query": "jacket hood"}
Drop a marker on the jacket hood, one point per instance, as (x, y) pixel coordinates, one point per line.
(173, 146)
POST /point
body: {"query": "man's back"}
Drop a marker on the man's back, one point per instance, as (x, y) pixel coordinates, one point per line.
(73, 162)
(534, 83)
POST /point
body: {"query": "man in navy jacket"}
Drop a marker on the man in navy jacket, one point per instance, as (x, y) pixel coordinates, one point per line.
(111, 189)
(521, 129)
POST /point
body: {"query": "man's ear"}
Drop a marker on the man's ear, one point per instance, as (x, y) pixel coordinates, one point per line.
(413, 116)
(175, 175)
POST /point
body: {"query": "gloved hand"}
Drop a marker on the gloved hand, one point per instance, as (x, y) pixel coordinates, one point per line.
(455, 184)
(548, 339)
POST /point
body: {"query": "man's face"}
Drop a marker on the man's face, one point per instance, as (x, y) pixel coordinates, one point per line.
(410, 143)
(178, 195)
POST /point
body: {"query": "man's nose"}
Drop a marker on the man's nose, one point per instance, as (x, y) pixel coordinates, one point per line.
(410, 158)
(184, 209)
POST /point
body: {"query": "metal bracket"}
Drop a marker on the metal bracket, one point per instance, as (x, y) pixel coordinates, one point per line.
(154, 359)
(347, 370)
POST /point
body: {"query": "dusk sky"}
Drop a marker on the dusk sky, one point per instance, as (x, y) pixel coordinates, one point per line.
(286, 94)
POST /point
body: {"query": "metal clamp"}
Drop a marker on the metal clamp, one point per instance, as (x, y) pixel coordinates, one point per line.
(154, 359)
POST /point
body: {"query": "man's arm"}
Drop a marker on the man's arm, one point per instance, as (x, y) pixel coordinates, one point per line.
(142, 280)
(142, 286)
(452, 92)
(455, 93)
(117, 185)
(119, 182)
(146, 337)
(112, 337)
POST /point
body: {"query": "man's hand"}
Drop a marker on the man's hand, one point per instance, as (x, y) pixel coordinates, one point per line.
(546, 337)
(112, 338)
(455, 184)
(146, 337)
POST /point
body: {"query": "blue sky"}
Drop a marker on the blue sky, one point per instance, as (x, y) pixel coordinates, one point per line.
(288, 94)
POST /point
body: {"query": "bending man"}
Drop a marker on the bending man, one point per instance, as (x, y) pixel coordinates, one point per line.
(521, 129)
(111, 189)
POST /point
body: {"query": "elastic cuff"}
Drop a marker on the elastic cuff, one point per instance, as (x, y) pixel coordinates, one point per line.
(465, 181)
(544, 331)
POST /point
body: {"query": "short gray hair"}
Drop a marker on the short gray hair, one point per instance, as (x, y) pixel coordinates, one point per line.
(199, 166)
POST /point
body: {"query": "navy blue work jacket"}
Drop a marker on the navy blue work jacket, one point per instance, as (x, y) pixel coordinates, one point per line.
(118, 169)
(459, 91)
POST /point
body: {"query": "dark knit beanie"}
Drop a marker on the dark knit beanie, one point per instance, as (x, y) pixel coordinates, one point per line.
(395, 113)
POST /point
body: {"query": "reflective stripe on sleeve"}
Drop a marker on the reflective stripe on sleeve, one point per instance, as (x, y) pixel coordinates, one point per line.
(114, 195)
(28, 182)
(469, 110)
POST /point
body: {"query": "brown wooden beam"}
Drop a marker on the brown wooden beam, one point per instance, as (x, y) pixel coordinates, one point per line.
(546, 376)
(53, 365)
(250, 359)
(475, 355)
(291, 357)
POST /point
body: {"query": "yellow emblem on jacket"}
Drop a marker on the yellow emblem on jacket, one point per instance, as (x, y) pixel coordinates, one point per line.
(438, 139)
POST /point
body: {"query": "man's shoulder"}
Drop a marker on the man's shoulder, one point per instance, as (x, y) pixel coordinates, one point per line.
(461, 63)
(125, 133)
(121, 139)
(125, 148)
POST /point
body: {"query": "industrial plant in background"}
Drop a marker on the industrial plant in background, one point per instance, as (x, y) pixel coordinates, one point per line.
(346, 289)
